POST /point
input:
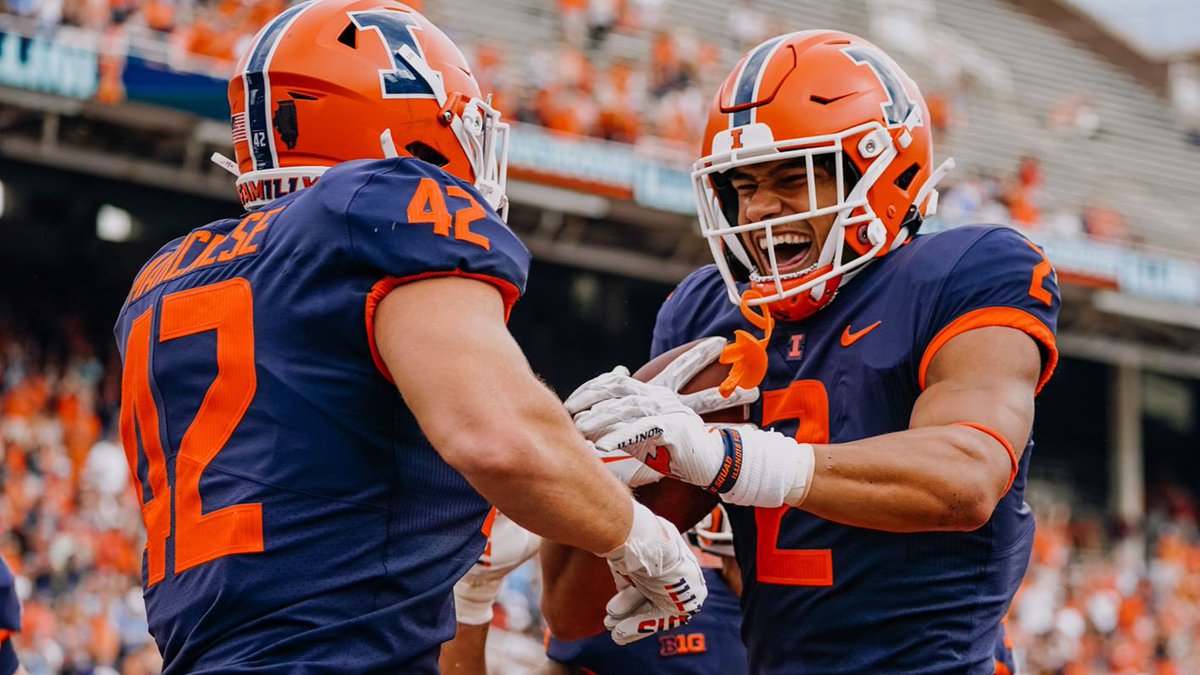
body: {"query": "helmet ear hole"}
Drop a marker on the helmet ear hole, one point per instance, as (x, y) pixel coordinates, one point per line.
(425, 153)
(349, 36)
(905, 179)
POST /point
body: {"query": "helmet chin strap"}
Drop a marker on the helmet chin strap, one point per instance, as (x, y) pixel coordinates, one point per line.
(928, 189)
(226, 163)
(388, 145)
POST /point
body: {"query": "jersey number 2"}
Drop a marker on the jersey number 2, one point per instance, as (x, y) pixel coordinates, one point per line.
(227, 308)
(808, 402)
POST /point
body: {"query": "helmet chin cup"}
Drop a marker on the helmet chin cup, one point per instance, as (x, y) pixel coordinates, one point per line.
(799, 306)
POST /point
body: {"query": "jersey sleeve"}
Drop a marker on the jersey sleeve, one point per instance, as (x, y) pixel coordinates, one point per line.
(1001, 279)
(409, 220)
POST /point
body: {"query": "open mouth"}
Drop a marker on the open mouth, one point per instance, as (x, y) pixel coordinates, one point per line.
(794, 251)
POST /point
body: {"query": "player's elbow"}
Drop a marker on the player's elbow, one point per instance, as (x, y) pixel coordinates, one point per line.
(484, 456)
(968, 504)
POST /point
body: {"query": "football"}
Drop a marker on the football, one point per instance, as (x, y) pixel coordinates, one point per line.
(683, 504)
(712, 376)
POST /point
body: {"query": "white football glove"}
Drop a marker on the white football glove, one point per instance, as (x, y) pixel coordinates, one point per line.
(678, 373)
(743, 464)
(626, 468)
(509, 546)
(660, 584)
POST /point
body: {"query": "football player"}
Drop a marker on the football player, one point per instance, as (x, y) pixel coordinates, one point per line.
(878, 502)
(320, 397)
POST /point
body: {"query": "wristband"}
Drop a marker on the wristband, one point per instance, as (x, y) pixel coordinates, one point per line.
(775, 469)
(731, 466)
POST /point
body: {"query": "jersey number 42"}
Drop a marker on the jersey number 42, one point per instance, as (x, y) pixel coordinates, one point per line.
(227, 308)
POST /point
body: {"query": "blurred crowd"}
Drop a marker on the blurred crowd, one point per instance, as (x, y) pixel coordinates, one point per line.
(1096, 600)
(69, 525)
(979, 196)
(208, 33)
(583, 83)
(579, 85)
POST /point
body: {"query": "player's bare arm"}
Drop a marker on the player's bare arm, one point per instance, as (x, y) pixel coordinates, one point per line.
(489, 416)
(945, 473)
(940, 474)
(466, 653)
(491, 419)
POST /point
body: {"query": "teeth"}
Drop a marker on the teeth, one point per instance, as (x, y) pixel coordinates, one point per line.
(786, 238)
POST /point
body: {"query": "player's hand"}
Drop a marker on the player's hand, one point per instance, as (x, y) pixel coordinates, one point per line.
(509, 546)
(659, 430)
(632, 617)
(741, 463)
(660, 583)
(678, 373)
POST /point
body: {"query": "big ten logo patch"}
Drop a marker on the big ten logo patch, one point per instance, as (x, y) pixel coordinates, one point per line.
(677, 645)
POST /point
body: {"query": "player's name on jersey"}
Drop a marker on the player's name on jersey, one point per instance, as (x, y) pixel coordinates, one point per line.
(268, 189)
(204, 248)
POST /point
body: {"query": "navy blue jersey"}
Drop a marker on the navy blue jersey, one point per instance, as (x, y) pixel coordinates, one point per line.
(297, 519)
(10, 620)
(821, 597)
(710, 644)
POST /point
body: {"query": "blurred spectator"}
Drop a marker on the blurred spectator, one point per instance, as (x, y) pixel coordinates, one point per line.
(574, 21)
(601, 19)
(1104, 223)
(1022, 194)
(941, 112)
(1076, 115)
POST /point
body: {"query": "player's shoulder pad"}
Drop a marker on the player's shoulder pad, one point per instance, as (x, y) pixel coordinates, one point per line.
(342, 186)
(937, 252)
(987, 276)
(702, 284)
(694, 305)
(403, 218)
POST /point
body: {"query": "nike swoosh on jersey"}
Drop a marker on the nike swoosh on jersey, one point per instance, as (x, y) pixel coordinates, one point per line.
(849, 338)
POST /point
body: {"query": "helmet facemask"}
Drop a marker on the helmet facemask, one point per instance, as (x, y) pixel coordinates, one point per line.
(484, 139)
(835, 264)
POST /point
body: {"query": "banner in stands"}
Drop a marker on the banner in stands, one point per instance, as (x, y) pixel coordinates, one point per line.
(51, 65)
(48, 66)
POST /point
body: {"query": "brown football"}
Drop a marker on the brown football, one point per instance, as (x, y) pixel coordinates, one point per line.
(711, 376)
(683, 504)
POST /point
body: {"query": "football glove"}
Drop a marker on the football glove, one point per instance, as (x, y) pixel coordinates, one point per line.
(659, 581)
(626, 468)
(508, 547)
(742, 464)
(677, 373)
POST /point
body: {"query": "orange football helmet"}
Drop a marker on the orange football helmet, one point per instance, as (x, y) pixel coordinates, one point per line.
(827, 95)
(329, 81)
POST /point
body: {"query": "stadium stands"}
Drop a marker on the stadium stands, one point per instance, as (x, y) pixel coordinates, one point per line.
(1117, 146)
